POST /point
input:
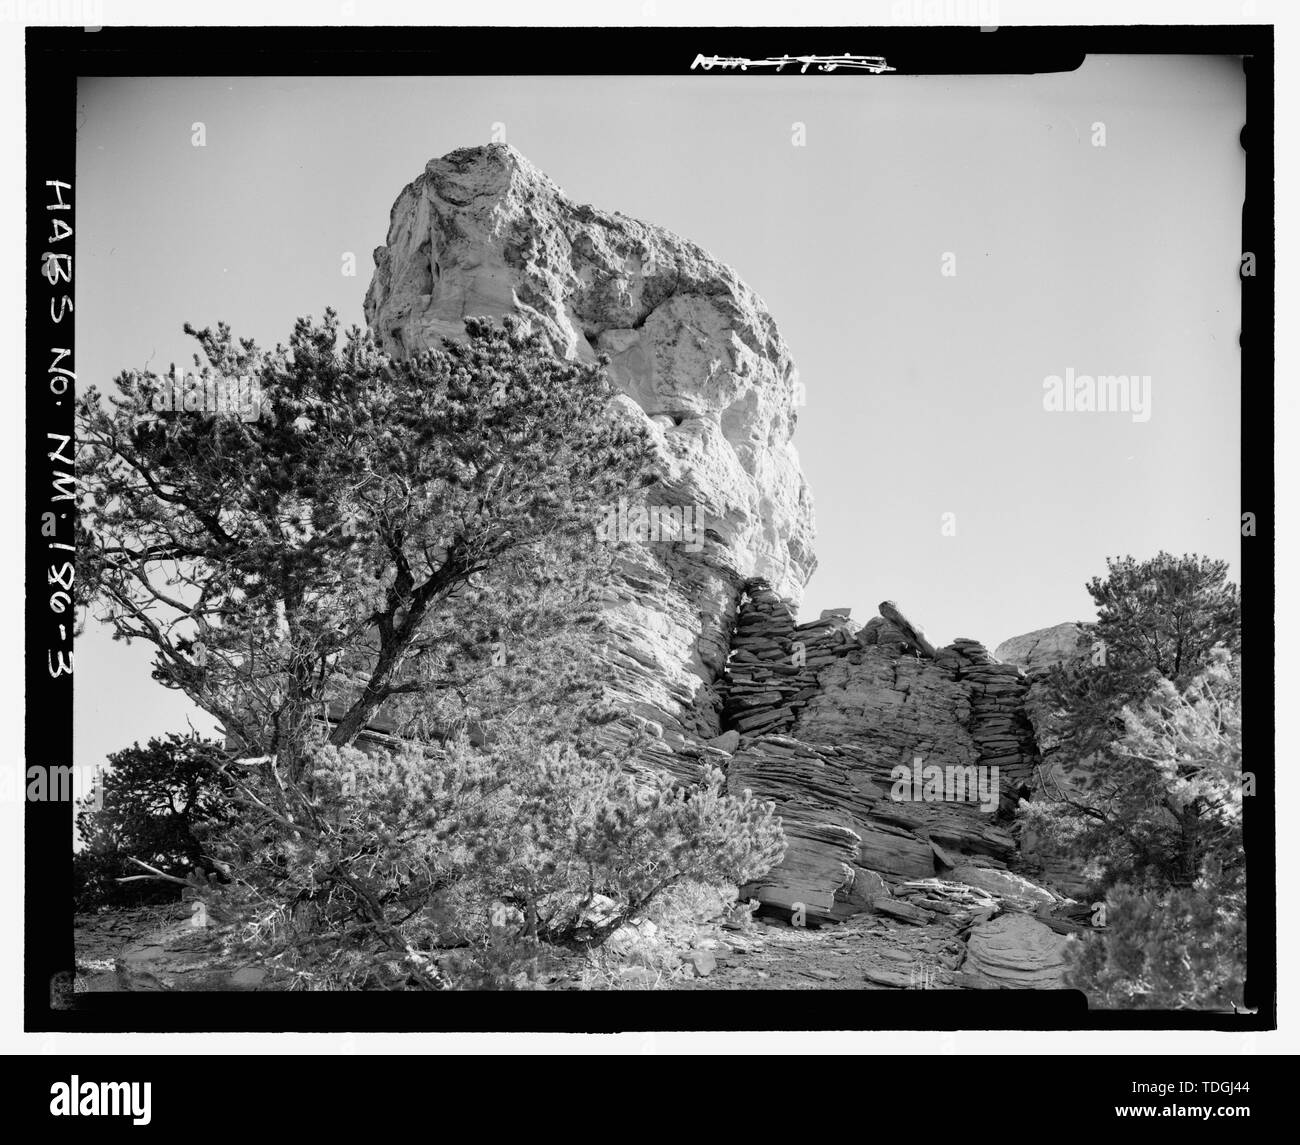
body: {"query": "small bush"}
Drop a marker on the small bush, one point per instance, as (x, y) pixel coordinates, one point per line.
(156, 801)
(1177, 950)
(395, 857)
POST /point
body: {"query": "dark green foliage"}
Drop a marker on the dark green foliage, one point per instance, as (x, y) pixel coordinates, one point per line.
(1156, 619)
(409, 540)
(282, 563)
(1177, 950)
(1151, 811)
(460, 866)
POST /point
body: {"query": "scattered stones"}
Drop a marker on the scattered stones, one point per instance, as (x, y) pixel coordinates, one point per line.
(704, 962)
(184, 957)
(959, 904)
(630, 935)
(598, 911)
(727, 741)
(941, 855)
(903, 911)
(867, 887)
(898, 979)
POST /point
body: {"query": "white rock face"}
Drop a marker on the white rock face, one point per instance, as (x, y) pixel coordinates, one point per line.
(1043, 647)
(484, 233)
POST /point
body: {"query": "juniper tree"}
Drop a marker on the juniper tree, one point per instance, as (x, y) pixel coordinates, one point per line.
(1165, 614)
(1165, 800)
(501, 845)
(1167, 844)
(1156, 620)
(1148, 728)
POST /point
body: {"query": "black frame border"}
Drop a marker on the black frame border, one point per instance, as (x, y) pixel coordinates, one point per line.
(56, 57)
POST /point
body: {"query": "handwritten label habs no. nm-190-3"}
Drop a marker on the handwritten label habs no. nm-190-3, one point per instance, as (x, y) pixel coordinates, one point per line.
(56, 267)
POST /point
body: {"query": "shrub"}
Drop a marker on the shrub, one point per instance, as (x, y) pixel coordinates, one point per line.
(1169, 797)
(301, 559)
(1162, 836)
(154, 800)
(396, 857)
(1173, 950)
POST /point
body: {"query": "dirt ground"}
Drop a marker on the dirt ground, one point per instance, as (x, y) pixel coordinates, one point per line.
(100, 938)
(866, 952)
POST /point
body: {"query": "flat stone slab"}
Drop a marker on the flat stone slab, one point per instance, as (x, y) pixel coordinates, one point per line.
(1015, 952)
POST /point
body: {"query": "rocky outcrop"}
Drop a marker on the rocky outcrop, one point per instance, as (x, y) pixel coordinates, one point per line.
(703, 646)
(1044, 647)
(1008, 887)
(896, 623)
(698, 360)
(838, 726)
(1037, 652)
(775, 662)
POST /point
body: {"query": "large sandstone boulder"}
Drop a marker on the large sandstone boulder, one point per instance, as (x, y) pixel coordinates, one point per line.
(1043, 647)
(1014, 952)
(699, 362)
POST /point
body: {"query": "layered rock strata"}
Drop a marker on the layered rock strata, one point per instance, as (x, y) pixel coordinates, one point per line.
(832, 717)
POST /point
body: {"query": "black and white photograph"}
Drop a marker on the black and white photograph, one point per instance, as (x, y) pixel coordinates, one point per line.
(652, 528)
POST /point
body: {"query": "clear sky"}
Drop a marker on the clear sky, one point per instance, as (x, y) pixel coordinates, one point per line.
(924, 391)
